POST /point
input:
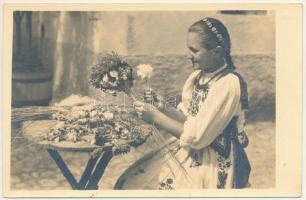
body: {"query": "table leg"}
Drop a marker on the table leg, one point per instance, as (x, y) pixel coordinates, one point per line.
(63, 167)
(92, 173)
(99, 170)
(87, 173)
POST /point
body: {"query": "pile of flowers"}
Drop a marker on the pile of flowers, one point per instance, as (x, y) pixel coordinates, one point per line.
(111, 74)
(94, 124)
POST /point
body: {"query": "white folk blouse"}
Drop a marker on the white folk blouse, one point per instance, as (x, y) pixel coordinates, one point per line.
(196, 164)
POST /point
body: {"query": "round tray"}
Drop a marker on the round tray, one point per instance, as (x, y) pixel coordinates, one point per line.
(35, 130)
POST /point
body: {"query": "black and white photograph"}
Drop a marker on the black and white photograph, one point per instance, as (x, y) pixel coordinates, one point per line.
(143, 100)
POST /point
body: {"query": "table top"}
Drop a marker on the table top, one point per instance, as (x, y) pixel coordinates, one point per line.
(35, 130)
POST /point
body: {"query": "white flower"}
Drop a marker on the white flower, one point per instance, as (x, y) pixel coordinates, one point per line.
(124, 76)
(117, 128)
(57, 139)
(93, 113)
(125, 131)
(108, 115)
(105, 78)
(113, 74)
(144, 71)
(76, 113)
(114, 84)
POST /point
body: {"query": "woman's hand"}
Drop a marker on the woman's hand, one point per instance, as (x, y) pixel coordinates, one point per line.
(148, 112)
(152, 98)
(151, 114)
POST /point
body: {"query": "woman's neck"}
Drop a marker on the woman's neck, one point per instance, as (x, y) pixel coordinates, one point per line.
(213, 71)
(206, 76)
(218, 66)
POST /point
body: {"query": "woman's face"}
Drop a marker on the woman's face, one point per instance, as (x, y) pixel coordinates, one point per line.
(207, 60)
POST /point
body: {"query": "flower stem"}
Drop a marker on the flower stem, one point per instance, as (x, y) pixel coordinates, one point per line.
(147, 83)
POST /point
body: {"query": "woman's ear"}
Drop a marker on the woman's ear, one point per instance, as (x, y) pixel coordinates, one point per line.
(219, 51)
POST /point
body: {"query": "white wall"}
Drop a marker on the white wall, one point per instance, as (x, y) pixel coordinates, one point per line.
(72, 40)
(165, 32)
(154, 32)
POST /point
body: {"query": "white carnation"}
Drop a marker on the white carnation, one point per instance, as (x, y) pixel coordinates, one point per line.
(144, 71)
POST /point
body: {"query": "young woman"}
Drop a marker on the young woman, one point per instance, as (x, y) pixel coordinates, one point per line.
(209, 121)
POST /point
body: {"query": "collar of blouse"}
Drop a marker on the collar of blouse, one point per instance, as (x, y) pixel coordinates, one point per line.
(205, 77)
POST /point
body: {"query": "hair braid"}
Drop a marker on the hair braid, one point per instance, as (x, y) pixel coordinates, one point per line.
(229, 61)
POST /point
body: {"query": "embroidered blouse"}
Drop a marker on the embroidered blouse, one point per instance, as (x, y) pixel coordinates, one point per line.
(207, 156)
(221, 104)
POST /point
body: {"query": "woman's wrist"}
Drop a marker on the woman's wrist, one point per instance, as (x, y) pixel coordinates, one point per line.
(161, 106)
(156, 117)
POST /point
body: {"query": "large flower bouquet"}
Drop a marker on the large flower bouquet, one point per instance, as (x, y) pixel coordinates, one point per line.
(111, 74)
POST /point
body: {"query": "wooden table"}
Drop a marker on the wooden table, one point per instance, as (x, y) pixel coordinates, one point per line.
(34, 130)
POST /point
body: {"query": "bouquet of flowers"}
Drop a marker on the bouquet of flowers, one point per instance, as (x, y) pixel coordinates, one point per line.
(111, 74)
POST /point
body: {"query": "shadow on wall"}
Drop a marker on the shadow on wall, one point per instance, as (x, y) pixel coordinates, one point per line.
(66, 50)
(72, 41)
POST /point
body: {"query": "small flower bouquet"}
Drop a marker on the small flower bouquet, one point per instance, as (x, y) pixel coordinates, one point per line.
(111, 74)
(94, 124)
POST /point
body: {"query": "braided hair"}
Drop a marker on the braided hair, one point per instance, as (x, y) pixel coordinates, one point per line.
(213, 33)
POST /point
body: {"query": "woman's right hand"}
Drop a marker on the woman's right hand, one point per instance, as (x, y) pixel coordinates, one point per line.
(146, 111)
(152, 98)
(149, 96)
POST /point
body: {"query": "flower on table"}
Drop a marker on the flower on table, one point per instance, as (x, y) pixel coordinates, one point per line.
(108, 115)
(96, 125)
(93, 114)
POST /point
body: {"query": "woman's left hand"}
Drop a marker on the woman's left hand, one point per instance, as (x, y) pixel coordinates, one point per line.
(148, 112)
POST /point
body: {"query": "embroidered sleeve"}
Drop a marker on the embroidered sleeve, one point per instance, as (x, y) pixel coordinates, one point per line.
(221, 104)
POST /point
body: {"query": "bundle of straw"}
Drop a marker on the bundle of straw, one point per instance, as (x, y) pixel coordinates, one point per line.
(32, 113)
